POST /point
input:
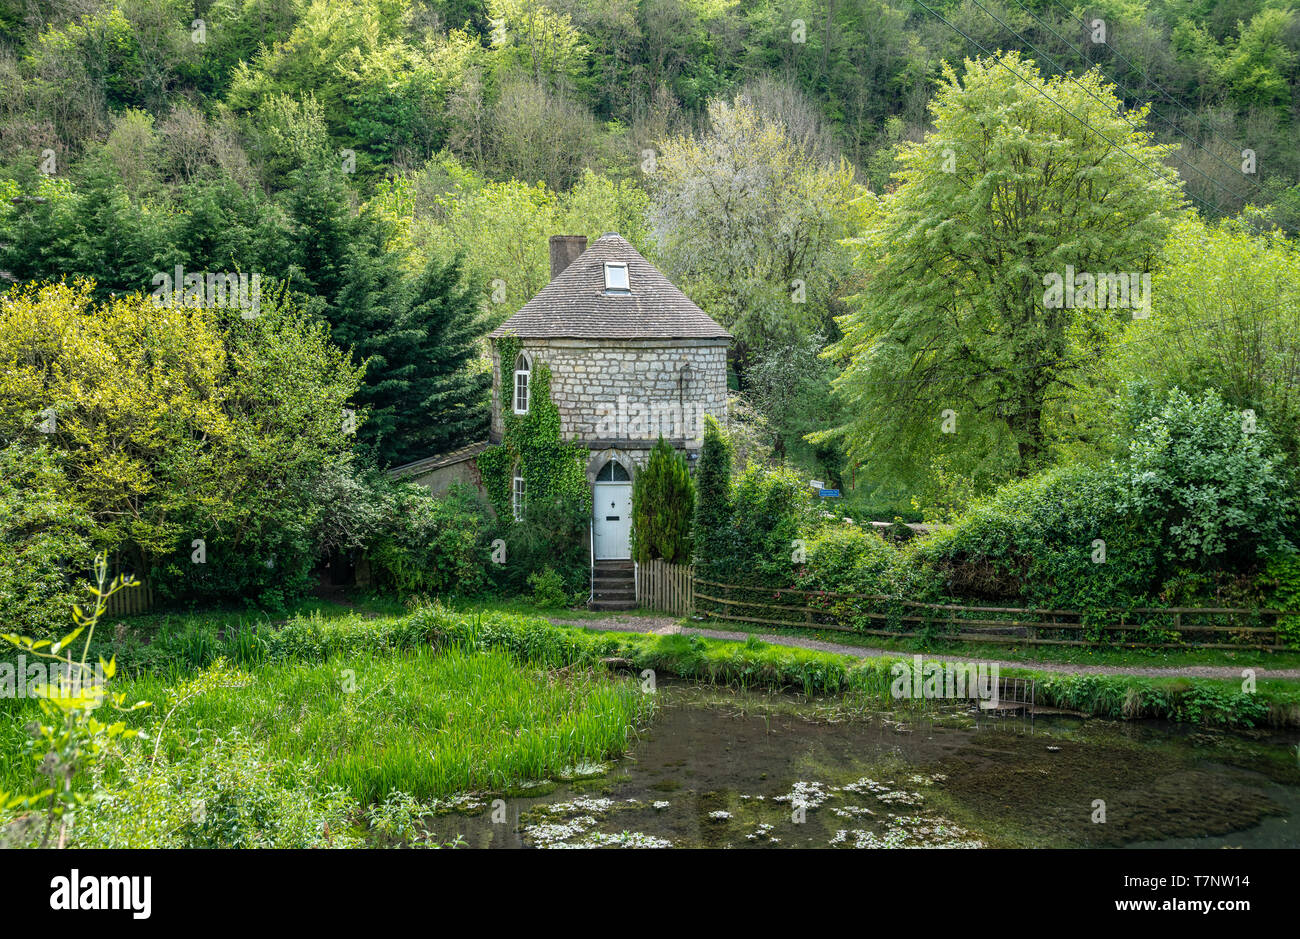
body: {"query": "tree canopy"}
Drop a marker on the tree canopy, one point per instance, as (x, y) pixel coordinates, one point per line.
(957, 343)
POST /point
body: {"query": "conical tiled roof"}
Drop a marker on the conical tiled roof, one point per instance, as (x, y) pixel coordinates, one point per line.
(576, 306)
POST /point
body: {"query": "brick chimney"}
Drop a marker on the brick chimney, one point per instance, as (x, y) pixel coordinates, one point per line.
(564, 249)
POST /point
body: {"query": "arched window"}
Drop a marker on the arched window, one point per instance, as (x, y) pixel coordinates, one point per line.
(613, 472)
(523, 370)
(517, 495)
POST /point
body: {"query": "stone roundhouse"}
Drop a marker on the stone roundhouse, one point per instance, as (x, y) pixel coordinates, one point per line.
(630, 357)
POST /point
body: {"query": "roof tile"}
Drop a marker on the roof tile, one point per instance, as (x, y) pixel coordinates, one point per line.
(575, 305)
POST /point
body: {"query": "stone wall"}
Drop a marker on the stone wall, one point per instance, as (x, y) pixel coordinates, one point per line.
(440, 479)
(615, 393)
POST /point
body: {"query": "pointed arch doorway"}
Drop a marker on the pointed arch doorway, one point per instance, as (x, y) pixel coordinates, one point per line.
(612, 512)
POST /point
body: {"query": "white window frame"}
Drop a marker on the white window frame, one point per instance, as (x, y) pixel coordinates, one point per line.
(609, 465)
(517, 495)
(627, 277)
(527, 374)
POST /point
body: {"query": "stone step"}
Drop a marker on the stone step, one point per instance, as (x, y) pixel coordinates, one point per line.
(612, 605)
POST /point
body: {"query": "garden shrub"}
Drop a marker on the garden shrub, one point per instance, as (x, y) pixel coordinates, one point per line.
(548, 589)
(44, 542)
(431, 544)
(554, 535)
(770, 510)
(1035, 541)
(846, 559)
(1210, 481)
(175, 424)
(663, 507)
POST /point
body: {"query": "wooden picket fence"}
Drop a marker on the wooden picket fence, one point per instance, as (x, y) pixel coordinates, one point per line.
(664, 586)
(881, 615)
(130, 600)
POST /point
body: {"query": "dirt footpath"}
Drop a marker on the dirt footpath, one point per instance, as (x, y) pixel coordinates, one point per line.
(666, 625)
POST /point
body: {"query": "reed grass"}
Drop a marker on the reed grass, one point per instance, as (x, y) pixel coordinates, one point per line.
(427, 722)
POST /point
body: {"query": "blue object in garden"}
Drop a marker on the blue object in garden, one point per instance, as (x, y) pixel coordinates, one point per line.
(830, 493)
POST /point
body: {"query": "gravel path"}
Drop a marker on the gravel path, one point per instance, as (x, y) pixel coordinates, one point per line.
(666, 625)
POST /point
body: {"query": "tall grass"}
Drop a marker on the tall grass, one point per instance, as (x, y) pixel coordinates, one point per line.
(428, 722)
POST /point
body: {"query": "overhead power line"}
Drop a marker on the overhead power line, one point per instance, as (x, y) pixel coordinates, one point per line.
(1147, 80)
(1084, 122)
(1066, 74)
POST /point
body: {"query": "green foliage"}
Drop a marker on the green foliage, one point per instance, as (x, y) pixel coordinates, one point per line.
(712, 526)
(377, 91)
(1226, 315)
(502, 227)
(228, 793)
(226, 770)
(69, 740)
(534, 640)
(555, 535)
(953, 321)
(173, 423)
(548, 589)
(425, 392)
(88, 229)
(557, 503)
(542, 41)
(1210, 483)
(451, 387)
(769, 513)
(1033, 542)
(789, 385)
(663, 507)
(416, 543)
(436, 545)
(749, 220)
(1195, 494)
(43, 536)
(760, 665)
(845, 559)
(1280, 585)
(1124, 698)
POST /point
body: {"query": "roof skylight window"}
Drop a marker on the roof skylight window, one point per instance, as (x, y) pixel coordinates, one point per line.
(616, 278)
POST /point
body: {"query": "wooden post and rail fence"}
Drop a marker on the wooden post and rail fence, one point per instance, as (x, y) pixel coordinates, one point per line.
(675, 589)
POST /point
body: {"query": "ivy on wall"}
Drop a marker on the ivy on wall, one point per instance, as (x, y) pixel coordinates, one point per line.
(554, 471)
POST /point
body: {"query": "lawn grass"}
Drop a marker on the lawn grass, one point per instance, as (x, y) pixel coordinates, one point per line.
(759, 665)
(1009, 652)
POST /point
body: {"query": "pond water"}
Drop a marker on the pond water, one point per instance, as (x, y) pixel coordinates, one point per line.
(721, 769)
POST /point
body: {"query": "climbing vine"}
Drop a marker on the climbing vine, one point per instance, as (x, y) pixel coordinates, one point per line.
(553, 470)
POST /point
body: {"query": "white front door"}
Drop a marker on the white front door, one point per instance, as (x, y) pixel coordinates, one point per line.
(613, 512)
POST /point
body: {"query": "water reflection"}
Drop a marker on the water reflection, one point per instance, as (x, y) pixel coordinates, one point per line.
(723, 769)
